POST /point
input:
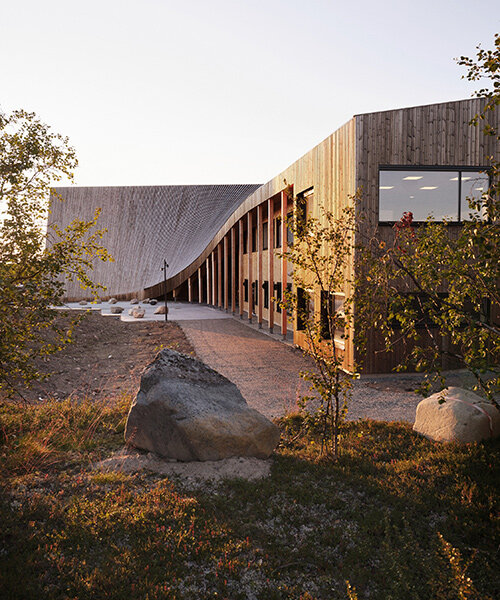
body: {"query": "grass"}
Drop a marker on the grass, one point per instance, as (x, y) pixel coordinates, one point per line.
(398, 517)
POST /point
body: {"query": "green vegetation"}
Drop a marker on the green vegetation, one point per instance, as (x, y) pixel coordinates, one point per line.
(33, 260)
(321, 254)
(398, 517)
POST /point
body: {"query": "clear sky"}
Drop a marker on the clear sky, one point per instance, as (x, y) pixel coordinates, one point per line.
(155, 92)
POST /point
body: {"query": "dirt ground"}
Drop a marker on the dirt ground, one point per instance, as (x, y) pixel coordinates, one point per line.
(106, 358)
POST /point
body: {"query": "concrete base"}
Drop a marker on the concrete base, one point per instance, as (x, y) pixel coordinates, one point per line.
(177, 311)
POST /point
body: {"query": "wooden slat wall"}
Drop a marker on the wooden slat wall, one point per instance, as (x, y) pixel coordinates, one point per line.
(434, 135)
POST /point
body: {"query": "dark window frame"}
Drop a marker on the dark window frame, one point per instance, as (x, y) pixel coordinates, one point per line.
(265, 287)
(301, 207)
(245, 241)
(254, 238)
(303, 298)
(327, 296)
(277, 295)
(265, 235)
(277, 232)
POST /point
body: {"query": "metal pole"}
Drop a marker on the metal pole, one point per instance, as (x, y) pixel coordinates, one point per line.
(164, 269)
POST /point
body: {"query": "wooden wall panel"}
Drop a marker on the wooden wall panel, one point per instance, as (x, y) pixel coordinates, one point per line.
(433, 135)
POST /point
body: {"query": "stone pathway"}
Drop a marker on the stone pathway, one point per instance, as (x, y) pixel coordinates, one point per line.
(267, 372)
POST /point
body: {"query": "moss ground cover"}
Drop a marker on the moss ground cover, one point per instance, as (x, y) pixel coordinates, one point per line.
(397, 517)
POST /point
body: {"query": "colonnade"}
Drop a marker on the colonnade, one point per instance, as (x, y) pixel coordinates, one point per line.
(243, 273)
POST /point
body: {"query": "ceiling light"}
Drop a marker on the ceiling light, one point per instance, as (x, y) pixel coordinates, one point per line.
(429, 187)
(413, 177)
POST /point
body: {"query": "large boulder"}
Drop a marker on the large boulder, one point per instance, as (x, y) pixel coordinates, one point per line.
(187, 411)
(457, 415)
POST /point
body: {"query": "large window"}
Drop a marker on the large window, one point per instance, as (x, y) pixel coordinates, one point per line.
(441, 193)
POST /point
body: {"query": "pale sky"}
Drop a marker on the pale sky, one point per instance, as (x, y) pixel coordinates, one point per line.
(157, 92)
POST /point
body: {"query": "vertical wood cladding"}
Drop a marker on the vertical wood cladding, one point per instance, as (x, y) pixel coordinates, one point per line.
(146, 225)
(434, 135)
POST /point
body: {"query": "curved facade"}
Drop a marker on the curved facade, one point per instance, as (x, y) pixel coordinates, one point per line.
(146, 225)
(221, 241)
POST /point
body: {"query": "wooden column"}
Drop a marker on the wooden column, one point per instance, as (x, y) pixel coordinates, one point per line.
(233, 270)
(270, 261)
(200, 287)
(259, 264)
(190, 289)
(240, 258)
(226, 272)
(214, 279)
(219, 275)
(250, 273)
(284, 208)
(209, 288)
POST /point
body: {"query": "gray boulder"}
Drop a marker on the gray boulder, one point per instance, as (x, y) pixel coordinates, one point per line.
(457, 415)
(187, 411)
(116, 310)
(134, 301)
(82, 303)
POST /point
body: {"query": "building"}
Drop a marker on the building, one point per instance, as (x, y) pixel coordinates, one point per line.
(220, 240)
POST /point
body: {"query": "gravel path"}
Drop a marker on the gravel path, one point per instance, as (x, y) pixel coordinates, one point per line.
(267, 372)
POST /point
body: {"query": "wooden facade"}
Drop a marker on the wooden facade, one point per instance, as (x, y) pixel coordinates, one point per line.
(238, 269)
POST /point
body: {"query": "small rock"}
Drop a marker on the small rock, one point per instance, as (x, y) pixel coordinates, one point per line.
(131, 311)
(138, 313)
(145, 301)
(116, 310)
(161, 310)
(134, 301)
(112, 301)
(82, 303)
(457, 415)
(153, 301)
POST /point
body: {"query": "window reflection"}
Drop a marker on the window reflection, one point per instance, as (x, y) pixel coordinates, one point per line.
(423, 193)
(474, 187)
(440, 194)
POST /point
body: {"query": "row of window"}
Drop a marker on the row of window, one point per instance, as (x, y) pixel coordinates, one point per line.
(265, 288)
(441, 193)
(301, 215)
(265, 225)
